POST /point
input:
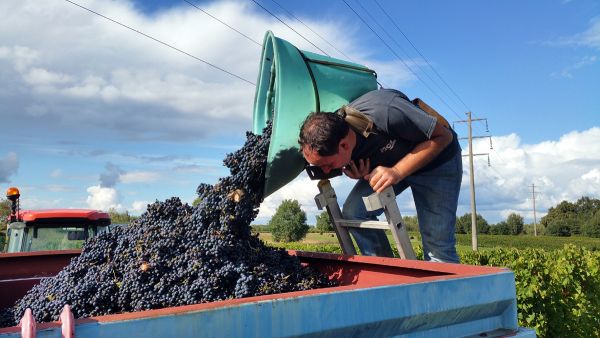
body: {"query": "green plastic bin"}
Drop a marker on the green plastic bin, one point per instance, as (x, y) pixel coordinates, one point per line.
(291, 84)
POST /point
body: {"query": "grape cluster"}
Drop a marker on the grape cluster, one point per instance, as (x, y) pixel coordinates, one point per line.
(176, 254)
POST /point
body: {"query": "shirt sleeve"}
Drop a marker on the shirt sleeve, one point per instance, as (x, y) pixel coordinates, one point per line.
(408, 122)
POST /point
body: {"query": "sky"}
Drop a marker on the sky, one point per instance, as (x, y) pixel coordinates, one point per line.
(96, 115)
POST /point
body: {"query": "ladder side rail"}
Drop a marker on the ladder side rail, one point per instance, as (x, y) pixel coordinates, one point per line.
(386, 200)
(328, 200)
(392, 213)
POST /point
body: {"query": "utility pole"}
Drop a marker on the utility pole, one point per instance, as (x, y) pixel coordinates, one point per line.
(472, 175)
(534, 218)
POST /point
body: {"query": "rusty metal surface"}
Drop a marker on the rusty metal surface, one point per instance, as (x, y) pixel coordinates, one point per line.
(20, 271)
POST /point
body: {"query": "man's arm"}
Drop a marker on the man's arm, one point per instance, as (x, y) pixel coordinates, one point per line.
(423, 153)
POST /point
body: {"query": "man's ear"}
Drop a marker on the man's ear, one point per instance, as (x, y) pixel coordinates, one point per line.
(343, 145)
(345, 142)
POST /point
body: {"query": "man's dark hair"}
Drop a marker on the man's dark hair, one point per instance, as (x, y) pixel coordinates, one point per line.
(322, 132)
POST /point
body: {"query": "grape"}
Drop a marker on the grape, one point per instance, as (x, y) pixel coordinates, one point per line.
(175, 254)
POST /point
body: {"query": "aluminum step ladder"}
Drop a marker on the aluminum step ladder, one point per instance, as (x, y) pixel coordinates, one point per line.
(385, 200)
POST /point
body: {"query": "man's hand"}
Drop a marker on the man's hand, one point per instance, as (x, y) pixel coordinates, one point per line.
(382, 177)
(355, 172)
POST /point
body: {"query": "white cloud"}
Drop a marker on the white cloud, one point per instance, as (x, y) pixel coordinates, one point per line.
(591, 37)
(138, 207)
(20, 56)
(66, 69)
(60, 188)
(568, 71)
(587, 184)
(301, 189)
(139, 177)
(9, 165)
(395, 74)
(103, 198)
(565, 169)
(42, 77)
(78, 69)
(588, 38)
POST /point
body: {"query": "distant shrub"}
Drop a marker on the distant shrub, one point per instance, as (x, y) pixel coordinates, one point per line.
(324, 222)
(288, 224)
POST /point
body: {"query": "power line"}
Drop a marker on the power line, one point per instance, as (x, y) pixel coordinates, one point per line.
(163, 43)
(407, 66)
(288, 26)
(399, 58)
(375, 21)
(416, 64)
(497, 153)
(438, 75)
(498, 175)
(423, 56)
(224, 23)
(317, 34)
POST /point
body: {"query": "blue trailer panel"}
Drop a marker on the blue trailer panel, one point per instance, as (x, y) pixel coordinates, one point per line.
(378, 297)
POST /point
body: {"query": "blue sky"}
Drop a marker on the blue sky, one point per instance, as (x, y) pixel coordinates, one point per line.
(95, 115)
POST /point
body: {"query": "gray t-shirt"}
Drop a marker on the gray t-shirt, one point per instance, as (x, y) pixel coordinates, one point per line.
(399, 127)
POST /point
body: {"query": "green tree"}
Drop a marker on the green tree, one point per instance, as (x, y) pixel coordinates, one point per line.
(515, 224)
(587, 206)
(529, 230)
(289, 222)
(4, 213)
(586, 209)
(411, 223)
(323, 222)
(4, 209)
(566, 218)
(258, 228)
(463, 224)
(561, 220)
(591, 227)
(120, 217)
(559, 229)
(501, 228)
(196, 201)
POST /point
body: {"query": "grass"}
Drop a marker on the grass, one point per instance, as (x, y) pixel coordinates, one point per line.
(527, 241)
(463, 241)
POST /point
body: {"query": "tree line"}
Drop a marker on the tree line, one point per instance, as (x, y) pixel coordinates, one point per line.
(581, 218)
(288, 224)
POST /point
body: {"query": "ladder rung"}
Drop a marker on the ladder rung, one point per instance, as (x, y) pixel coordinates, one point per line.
(363, 224)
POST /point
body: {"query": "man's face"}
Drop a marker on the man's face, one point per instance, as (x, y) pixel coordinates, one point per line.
(329, 163)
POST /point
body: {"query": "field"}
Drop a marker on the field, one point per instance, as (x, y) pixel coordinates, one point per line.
(314, 240)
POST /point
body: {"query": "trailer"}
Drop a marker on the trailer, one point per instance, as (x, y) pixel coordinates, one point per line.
(376, 297)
